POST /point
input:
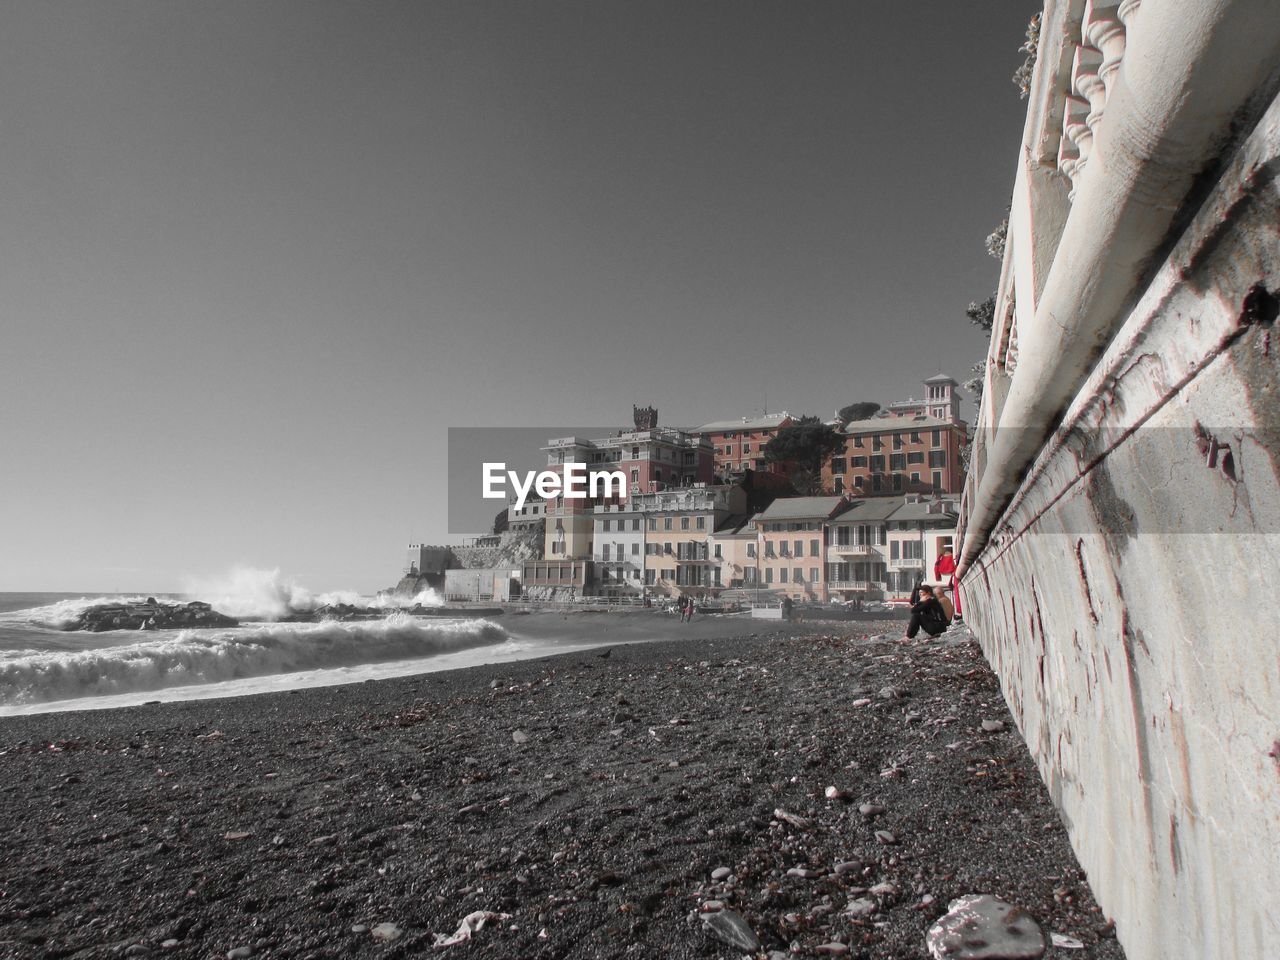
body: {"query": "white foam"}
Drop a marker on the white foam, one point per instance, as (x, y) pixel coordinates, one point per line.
(181, 658)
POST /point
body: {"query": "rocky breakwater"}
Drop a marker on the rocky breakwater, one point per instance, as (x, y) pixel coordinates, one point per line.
(150, 614)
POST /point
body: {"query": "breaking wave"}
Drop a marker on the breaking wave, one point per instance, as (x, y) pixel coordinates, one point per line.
(249, 593)
(211, 656)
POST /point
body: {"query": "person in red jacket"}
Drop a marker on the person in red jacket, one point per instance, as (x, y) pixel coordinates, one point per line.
(944, 571)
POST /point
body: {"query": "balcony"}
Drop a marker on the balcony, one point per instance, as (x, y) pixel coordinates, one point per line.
(908, 563)
(855, 550)
(862, 586)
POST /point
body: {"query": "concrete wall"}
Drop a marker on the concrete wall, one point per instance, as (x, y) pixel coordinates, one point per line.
(1129, 602)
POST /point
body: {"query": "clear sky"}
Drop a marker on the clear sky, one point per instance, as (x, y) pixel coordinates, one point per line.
(258, 256)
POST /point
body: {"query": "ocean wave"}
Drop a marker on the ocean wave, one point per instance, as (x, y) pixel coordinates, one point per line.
(210, 656)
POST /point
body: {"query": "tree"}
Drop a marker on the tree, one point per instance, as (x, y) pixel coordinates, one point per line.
(858, 411)
(983, 314)
(806, 444)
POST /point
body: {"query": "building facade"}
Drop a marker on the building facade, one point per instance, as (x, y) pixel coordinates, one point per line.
(738, 445)
(792, 553)
(893, 455)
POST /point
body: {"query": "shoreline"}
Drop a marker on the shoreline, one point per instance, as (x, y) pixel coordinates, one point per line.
(589, 796)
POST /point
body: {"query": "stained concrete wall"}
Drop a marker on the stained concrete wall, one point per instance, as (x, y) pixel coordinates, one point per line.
(1130, 598)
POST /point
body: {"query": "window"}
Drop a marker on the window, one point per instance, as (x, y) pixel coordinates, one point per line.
(728, 451)
(897, 481)
(937, 479)
(915, 478)
(877, 443)
(666, 523)
(768, 574)
(719, 555)
(650, 576)
(837, 464)
(635, 475)
(653, 523)
(751, 550)
(915, 436)
(857, 442)
(604, 552)
(893, 550)
(911, 550)
(857, 462)
(635, 523)
(768, 548)
(666, 547)
(897, 441)
(702, 523)
(937, 458)
(782, 575)
(799, 547)
(897, 461)
(937, 438)
(813, 549)
(813, 574)
(877, 482)
(799, 574)
(877, 464)
(839, 485)
(684, 523)
(635, 549)
(915, 456)
(746, 448)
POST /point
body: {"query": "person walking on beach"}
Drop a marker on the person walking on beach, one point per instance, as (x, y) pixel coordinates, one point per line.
(688, 610)
(944, 571)
(927, 615)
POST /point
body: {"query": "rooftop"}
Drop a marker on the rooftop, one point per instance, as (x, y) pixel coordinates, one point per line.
(797, 508)
(767, 422)
(890, 424)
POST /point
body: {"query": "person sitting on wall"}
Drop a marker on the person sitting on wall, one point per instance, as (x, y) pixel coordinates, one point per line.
(928, 615)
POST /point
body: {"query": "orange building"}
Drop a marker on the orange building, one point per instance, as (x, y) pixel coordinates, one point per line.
(739, 444)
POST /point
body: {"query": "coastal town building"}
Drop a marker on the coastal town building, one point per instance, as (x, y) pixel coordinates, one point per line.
(941, 401)
(618, 538)
(918, 532)
(887, 455)
(425, 560)
(735, 545)
(678, 524)
(531, 516)
(792, 557)
(857, 554)
(480, 584)
(738, 445)
(651, 458)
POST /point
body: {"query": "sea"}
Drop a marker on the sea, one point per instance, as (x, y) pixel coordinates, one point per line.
(46, 668)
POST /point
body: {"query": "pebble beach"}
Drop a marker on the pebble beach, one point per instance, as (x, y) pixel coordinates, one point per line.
(819, 789)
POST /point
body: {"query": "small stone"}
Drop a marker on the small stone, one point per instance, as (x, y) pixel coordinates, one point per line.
(711, 906)
(385, 932)
(719, 873)
(983, 927)
(848, 866)
(892, 693)
(237, 835)
(870, 809)
(728, 926)
(804, 873)
(993, 726)
(861, 702)
(884, 889)
(239, 953)
(170, 943)
(797, 821)
(359, 928)
(835, 793)
(1062, 941)
(831, 949)
(519, 736)
(862, 907)
(885, 837)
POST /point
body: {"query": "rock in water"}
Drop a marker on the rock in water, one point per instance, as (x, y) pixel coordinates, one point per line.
(728, 926)
(983, 927)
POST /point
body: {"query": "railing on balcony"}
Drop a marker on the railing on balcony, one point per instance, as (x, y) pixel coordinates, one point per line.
(910, 563)
(865, 585)
(855, 549)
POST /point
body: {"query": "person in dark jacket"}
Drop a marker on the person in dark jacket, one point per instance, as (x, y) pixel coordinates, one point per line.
(927, 615)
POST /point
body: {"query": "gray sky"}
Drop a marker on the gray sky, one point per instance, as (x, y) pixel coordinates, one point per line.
(258, 256)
